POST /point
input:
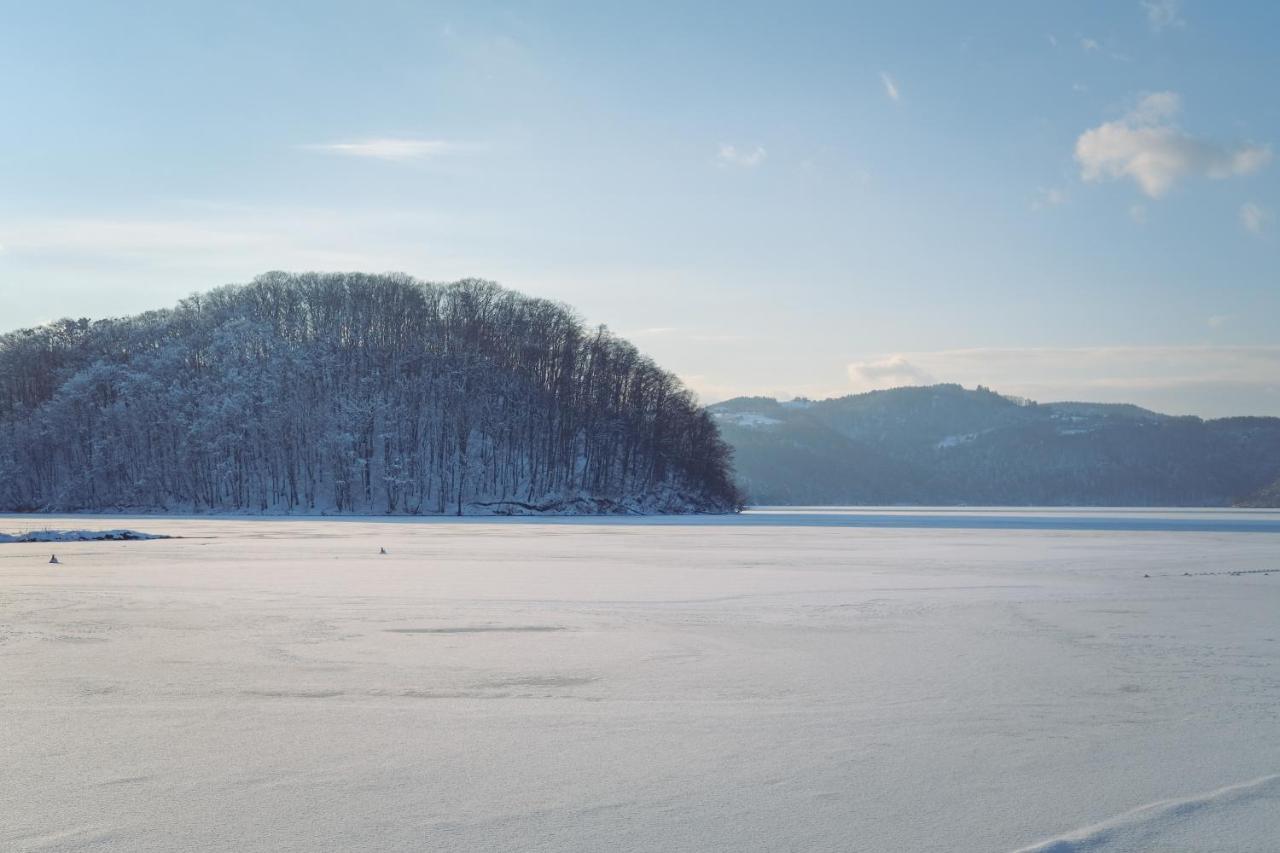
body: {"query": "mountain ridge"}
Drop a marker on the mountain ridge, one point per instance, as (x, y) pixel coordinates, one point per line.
(947, 445)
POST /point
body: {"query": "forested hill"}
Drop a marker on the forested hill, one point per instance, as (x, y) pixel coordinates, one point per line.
(350, 394)
(949, 445)
(1267, 496)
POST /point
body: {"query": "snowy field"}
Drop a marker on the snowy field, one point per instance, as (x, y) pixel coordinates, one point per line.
(882, 680)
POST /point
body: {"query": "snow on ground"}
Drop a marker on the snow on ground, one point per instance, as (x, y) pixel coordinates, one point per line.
(886, 680)
(956, 440)
(747, 419)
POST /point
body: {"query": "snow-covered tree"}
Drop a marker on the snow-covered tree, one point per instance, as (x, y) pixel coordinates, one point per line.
(350, 393)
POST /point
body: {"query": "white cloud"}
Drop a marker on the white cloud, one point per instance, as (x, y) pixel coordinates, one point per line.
(1090, 45)
(708, 390)
(1163, 14)
(889, 372)
(1156, 108)
(1167, 377)
(389, 148)
(890, 86)
(1146, 146)
(1207, 380)
(730, 155)
(106, 266)
(1254, 217)
(233, 242)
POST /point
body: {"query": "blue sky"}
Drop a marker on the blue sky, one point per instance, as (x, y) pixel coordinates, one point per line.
(1063, 200)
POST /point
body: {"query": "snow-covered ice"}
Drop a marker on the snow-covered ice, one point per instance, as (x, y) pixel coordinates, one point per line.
(800, 679)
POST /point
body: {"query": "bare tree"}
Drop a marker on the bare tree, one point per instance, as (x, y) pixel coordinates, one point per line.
(350, 393)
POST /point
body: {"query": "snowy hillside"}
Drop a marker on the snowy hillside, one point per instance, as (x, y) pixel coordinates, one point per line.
(1267, 496)
(350, 394)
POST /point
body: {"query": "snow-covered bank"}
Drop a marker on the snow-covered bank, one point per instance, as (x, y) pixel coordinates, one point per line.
(1206, 520)
(653, 502)
(77, 536)
(737, 683)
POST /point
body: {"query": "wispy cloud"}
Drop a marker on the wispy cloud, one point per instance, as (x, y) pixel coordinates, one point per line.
(652, 331)
(1089, 45)
(675, 332)
(709, 390)
(1163, 14)
(128, 237)
(1150, 375)
(151, 259)
(1254, 217)
(1101, 366)
(225, 240)
(389, 148)
(731, 155)
(890, 86)
(1148, 147)
(1207, 380)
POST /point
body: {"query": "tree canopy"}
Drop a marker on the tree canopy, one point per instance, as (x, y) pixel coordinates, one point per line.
(355, 394)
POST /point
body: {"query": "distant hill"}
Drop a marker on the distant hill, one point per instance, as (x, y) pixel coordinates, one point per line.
(948, 445)
(350, 393)
(1267, 496)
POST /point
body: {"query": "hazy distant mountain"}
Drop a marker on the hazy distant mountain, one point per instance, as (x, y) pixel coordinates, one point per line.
(944, 444)
(355, 394)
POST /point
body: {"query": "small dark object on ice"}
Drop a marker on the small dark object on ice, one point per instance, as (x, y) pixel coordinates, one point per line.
(1146, 576)
(382, 550)
(54, 560)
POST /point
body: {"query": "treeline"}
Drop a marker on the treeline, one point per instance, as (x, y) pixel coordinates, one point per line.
(353, 394)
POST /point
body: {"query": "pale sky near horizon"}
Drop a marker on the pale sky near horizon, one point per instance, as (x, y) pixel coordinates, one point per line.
(1060, 200)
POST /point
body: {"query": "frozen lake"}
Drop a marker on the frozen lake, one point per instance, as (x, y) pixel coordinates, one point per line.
(794, 679)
